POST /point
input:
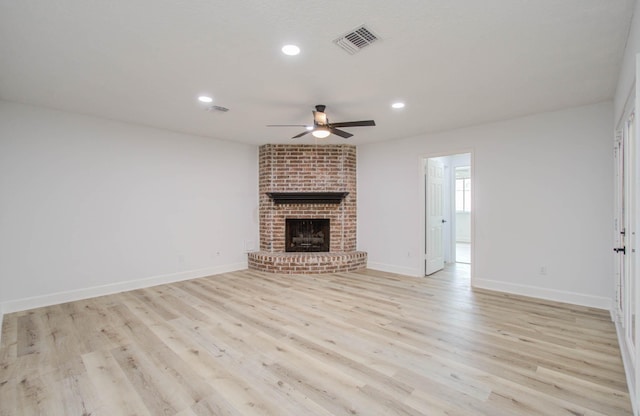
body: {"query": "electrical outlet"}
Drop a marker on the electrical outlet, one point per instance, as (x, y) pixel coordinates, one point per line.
(543, 270)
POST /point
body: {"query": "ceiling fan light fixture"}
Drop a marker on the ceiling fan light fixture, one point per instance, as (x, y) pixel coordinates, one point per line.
(321, 133)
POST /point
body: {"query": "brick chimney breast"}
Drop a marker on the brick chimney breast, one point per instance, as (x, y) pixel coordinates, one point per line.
(300, 169)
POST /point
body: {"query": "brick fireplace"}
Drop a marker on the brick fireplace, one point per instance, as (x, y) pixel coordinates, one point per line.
(307, 184)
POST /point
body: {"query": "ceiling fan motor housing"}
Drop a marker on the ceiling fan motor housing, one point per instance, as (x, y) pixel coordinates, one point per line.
(319, 116)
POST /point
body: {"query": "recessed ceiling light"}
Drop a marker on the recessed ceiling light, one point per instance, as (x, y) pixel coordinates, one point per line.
(398, 105)
(290, 50)
(205, 99)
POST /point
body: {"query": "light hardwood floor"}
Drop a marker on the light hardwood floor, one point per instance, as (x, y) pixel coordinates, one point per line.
(364, 343)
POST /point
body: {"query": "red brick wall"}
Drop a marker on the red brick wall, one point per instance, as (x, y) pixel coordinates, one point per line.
(307, 168)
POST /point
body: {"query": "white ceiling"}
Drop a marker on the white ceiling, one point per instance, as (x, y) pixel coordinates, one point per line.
(455, 63)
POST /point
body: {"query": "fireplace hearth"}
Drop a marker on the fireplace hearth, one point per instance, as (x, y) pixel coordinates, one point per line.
(307, 235)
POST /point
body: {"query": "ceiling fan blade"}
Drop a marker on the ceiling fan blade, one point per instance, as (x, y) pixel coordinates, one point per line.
(340, 133)
(301, 134)
(362, 123)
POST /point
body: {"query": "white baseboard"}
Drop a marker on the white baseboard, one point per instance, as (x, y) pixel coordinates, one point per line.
(92, 292)
(389, 268)
(573, 298)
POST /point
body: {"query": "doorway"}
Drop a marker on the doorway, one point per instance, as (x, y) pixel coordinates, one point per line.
(448, 215)
(462, 202)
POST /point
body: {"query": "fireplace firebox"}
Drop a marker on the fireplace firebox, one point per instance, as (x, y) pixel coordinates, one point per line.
(307, 235)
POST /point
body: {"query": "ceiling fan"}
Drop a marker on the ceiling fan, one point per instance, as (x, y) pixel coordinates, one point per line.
(323, 128)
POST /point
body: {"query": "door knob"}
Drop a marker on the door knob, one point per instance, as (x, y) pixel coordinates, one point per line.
(623, 250)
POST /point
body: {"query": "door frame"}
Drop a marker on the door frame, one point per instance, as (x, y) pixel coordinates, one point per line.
(423, 200)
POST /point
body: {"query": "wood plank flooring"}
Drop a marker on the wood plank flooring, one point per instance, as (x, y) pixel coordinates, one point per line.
(360, 343)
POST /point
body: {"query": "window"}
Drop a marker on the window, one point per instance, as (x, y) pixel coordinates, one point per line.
(463, 189)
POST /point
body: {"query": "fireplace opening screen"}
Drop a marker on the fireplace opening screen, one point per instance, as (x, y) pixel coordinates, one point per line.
(307, 235)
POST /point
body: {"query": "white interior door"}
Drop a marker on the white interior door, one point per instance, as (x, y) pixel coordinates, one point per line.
(434, 256)
(619, 226)
(630, 271)
(627, 178)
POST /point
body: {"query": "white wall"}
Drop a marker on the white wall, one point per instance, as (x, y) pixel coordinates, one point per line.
(552, 169)
(90, 206)
(626, 79)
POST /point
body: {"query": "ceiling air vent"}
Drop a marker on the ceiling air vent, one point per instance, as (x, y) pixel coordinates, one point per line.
(217, 108)
(355, 40)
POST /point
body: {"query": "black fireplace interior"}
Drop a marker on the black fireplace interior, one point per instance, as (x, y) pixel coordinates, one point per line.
(307, 235)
